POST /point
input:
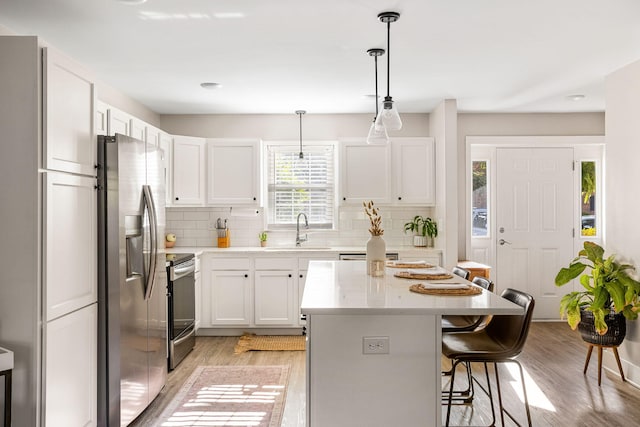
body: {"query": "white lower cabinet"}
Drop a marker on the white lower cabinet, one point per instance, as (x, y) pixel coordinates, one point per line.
(228, 294)
(275, 293)
(71, 369)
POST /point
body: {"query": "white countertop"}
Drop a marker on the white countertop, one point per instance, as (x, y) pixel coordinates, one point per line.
(343, 287)
(6, 359)
(235, 250)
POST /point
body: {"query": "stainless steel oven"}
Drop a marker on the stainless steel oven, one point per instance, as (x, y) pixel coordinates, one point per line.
(181, 306)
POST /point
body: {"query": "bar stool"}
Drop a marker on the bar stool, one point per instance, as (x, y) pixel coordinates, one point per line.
(501, 341)
(459, 271)
(466, 324)
(6, 369)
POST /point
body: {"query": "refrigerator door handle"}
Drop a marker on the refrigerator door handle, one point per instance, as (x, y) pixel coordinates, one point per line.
(153, 224)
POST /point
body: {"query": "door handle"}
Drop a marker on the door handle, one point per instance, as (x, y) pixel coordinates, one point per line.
(502, 242)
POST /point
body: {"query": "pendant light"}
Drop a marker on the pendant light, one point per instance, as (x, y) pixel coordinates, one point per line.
(388, 117)
(377, 135)
(300, 113)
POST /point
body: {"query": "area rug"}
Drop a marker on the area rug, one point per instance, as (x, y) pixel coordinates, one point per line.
(249, 342)
(229, 396)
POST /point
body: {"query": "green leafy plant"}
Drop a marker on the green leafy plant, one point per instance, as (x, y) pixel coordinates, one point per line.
(262, 236)
(607, 285)
(423, 226)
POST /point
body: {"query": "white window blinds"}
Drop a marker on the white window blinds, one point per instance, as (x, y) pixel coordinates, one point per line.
(301, 185)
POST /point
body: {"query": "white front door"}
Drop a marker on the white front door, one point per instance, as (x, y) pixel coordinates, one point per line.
(534, 222)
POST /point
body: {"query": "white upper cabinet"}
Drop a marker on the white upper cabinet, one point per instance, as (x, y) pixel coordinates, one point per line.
(365, 172)
(166, 143)
(152, 135)
(139, 130)
(414, 171)
(401, 172)
(70, 243)
(233, 172)
(68, 115)
(119, 122)
(102, 118)
(188, 170)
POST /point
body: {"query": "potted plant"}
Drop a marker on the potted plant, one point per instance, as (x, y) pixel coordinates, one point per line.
(609, 297)
(263, 238)
(425, 228)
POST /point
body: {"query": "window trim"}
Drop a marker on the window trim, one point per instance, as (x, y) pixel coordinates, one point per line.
(295, 146)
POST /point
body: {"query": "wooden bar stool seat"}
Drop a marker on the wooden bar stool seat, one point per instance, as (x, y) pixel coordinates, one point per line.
(600, 347)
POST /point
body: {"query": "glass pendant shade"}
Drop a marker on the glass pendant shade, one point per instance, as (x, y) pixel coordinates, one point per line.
(388, 117)
(377, 135)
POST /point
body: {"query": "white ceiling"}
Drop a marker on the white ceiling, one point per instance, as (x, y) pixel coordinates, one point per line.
(277, 56)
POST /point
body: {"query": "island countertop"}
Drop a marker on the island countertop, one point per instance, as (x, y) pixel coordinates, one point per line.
(343, 287)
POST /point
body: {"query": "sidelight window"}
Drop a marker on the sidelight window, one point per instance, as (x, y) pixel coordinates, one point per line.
(479, 199)
(588, 195)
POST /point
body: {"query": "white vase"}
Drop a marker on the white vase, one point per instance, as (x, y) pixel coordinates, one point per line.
(376, 256)
(419, 241)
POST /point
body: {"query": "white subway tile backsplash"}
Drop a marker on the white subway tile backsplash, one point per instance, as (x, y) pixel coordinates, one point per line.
(196, 227)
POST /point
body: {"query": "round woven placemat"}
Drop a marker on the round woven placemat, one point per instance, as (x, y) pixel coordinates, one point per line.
(422, 276)
(420, 289)
(394, 264)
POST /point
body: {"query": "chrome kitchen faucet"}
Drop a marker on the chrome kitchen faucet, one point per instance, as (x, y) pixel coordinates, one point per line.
(306, 224)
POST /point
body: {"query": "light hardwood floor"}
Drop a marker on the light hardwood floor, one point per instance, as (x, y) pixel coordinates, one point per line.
(553, 359)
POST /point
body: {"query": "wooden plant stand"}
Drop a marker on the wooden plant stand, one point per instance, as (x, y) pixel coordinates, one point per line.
(600, 347)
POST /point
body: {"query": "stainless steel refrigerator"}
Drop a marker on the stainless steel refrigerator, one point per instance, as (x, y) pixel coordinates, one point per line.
(132, 320)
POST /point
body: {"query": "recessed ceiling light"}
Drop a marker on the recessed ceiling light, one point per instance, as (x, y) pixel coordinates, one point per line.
(132, 2)
(576, 97)
(210, 85)
(228, 15)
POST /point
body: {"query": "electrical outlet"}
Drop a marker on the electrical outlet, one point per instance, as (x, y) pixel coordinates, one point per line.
(375, 345)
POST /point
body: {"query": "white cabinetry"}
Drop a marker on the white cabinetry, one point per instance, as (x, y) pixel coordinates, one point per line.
(71, 369)
(138, 129)
(233, 172)
(365, 172)
(198, 291)
(414, 171)
(166, 143)
(68, 115)
(275, 291)
(400, 173)
(119, 122)
(48, 315)
(230, 292)
(188, 170)
(102, 118)
(70, 243)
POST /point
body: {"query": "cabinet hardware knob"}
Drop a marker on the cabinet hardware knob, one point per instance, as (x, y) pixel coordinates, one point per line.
(290, 275)
(246, 275)
(301, 276)
(177, 198)
(399, 198)
(344, 198)
(254, 199)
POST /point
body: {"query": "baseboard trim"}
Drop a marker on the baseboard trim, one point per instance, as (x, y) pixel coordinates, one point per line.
(631, 371)
(236, 332)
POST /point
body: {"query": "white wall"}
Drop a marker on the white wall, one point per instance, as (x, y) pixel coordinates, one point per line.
(286, 126)
(622, 176)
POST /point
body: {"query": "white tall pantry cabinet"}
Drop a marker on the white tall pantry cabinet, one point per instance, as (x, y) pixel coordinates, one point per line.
(48, 279)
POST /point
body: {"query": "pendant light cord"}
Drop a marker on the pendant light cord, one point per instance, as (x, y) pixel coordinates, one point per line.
(375, 58)
(388, 53)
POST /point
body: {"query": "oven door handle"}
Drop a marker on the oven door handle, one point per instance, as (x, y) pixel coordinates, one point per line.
(177, 273)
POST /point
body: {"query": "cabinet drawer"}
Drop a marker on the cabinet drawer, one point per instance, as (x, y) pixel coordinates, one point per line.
(230, 263)
(276, 263)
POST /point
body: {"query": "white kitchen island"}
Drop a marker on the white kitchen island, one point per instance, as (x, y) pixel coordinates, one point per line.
(348, 313)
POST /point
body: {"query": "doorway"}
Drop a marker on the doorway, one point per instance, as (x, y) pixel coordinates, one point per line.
(525, 210)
